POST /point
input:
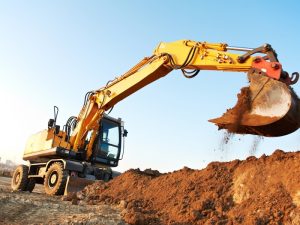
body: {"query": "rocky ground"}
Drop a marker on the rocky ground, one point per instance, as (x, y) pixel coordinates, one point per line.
(257, 191)
(37, 208)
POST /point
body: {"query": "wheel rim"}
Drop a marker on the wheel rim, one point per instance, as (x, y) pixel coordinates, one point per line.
(53, 178)
(17, 178)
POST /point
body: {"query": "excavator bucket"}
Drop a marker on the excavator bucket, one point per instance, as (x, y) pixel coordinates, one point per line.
(75, 184)
(267, 108)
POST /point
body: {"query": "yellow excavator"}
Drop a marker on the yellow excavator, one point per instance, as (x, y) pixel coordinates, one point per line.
(89, 145)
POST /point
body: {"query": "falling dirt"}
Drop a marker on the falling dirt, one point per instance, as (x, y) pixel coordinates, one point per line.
(256, 142)
(224, 144)
(258, 191)
(227, 136)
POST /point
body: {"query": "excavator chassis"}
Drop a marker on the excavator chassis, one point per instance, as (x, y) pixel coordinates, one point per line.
(59, 171)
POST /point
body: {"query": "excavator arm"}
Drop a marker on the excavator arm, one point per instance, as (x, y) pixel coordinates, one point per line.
(191, 57)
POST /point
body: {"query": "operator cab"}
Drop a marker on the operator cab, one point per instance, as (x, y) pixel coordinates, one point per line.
(108, 146)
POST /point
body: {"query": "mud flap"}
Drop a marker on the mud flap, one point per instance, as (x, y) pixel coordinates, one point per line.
(267, 107)
(75, 184)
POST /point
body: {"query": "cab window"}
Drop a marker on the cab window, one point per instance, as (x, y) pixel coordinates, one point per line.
(109, 139)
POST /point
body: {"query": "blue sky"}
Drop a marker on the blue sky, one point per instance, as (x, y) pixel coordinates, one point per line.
(52, 53)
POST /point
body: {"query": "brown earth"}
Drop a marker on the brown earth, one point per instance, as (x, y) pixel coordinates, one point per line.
(37, 208)
(236, 113)
(263, 190)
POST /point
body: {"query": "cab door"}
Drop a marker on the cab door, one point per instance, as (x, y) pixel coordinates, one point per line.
(108, 145)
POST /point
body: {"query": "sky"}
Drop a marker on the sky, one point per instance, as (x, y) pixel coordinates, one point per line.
(53, 52)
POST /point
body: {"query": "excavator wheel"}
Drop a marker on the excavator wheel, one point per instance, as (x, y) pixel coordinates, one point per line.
(55, 179)
(19, 180)
(267, 107)
(30, 185)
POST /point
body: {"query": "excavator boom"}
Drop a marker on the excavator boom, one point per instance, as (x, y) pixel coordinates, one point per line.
(270, 101)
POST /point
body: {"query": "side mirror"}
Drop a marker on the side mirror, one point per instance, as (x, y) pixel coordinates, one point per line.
(125, 133)
(57, 128)
(51, 123)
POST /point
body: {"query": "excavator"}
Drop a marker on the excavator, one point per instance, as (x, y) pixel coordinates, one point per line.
(89, 145)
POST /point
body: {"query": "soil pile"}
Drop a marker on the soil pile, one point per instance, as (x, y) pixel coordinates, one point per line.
(263, 190)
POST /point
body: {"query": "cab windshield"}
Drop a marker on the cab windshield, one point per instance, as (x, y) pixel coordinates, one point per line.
(109, 143)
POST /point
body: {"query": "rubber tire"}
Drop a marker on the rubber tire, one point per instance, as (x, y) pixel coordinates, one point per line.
(30, 185)
(61, 180)
(21, 184)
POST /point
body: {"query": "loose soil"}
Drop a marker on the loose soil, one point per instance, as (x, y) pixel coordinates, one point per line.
(232, 118)
(263, 190)
(37, 208)
(236, 113)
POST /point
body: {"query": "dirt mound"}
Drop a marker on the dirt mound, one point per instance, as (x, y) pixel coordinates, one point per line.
(254, 191)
